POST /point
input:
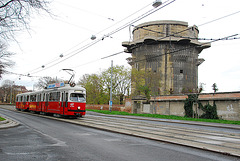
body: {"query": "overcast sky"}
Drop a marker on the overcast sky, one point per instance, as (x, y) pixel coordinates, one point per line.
(69, 29)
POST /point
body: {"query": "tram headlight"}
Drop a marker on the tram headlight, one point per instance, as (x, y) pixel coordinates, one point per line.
(79, 107)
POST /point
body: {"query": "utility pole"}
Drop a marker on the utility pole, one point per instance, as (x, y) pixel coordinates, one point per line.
(11, 83)
(110, 102)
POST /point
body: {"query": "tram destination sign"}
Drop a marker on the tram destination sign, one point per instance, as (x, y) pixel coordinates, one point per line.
(55, 85)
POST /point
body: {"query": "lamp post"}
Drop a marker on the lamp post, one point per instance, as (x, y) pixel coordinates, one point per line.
(11, 83)
(110, 102)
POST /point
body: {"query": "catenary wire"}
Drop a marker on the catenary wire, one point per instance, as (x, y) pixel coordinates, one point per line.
(111, 33)
(83, 10)
(54, 60)
(225, 38)
(152, 57)
(99, 59)
(219, 18)
(211, 22)
(176, 51)
(88, 38)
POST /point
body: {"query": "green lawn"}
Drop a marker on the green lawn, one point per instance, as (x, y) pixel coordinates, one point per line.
(2, 119)
(167, 117)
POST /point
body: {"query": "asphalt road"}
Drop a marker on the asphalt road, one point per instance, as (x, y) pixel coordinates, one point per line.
(45, 139)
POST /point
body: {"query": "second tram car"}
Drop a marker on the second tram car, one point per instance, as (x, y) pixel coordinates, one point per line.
(62, 99)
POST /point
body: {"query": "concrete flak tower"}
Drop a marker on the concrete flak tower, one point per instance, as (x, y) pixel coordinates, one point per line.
(167, 53)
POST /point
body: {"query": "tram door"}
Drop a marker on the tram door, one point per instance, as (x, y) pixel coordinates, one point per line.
(64, 102)
(24, 104)
(42, 104)
(38, 107)
(46, 102)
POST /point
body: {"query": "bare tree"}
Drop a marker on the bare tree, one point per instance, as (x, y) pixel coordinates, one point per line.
(14, 15)
(43, 82)
(4, 58)
(8, 91)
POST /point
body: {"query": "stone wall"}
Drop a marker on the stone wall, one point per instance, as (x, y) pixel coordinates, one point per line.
(228, 105)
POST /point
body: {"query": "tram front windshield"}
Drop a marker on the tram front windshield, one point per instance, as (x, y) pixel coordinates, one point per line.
(77, 97)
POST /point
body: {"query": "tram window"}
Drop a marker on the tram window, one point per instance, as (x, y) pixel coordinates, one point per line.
(58, 96)
(27, 99)
(55, 96)
(43, 97)
(47, 97)
(77, 97)
(38, 98)
(51, 97)
(66, 99)
(32, 98)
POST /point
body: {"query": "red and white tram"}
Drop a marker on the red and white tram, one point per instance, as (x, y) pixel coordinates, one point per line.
(61, 99)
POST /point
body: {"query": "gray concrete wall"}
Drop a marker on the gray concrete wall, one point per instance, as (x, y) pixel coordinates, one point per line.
(228, 105)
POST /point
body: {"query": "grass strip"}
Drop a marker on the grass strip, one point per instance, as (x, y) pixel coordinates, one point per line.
(2, 119)
(172, 117)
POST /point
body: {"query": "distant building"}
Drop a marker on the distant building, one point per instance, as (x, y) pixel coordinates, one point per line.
(167, 52)
(6, 91)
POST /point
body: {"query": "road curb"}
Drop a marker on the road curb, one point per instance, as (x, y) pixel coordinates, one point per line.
(8, 123)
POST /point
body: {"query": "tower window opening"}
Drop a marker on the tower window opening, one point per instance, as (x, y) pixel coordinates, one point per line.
(181, 71)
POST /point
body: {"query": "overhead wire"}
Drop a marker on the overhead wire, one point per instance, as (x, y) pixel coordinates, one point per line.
(80, 50)
(83, 10)
(219, 18)
(93, 61)
(176, 51)
(111, 33)
(124, 19)
(76, 50)
(115, 23)
(152, 57)
(165, 36)
(181, 31)
(81, 27)
(212, 39)
(174, 34)
(99, 59)
(141, 17)
(18, 74)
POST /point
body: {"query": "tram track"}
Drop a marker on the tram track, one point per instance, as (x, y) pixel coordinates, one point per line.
(204, 139)
(216, 141)
(171, 129)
